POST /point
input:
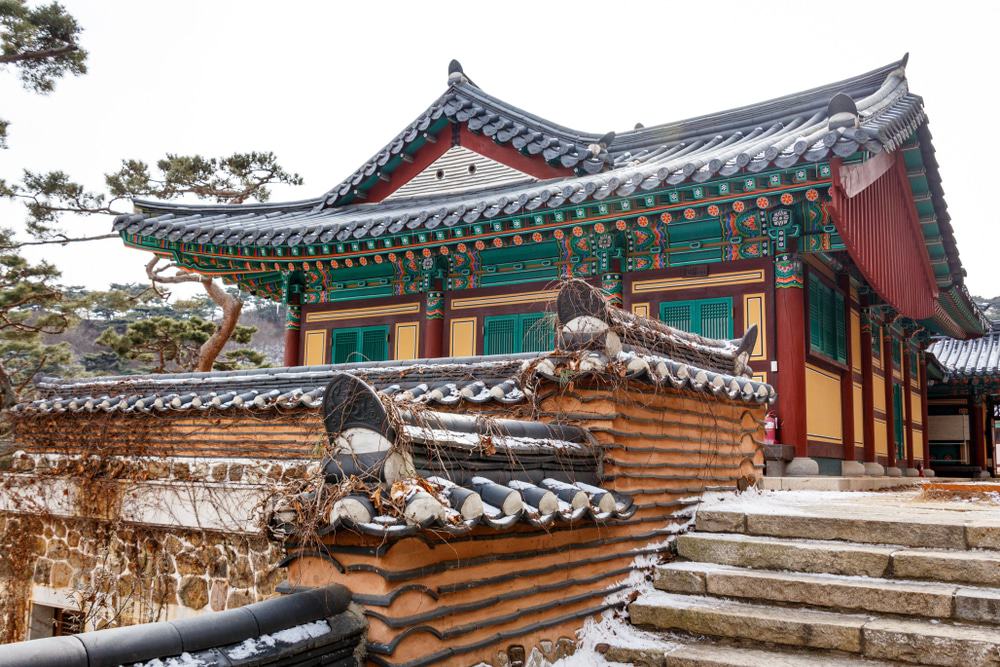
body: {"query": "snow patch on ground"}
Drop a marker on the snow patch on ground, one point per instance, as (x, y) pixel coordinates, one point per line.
(756, 501)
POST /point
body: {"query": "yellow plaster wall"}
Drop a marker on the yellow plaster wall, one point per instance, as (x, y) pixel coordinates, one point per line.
(754, 307)
(315, 348)
(881, 437)
(407, 340)
(462, 337)
(823, 408)
(918, 445)
(915, 408)
(878, 391)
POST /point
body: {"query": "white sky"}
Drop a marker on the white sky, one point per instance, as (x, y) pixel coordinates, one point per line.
(326, 84)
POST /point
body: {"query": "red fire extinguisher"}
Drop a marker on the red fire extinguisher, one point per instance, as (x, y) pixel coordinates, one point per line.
(770, 428)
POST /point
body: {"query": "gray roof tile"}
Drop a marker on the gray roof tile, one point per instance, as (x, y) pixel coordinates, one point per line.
(970, 359)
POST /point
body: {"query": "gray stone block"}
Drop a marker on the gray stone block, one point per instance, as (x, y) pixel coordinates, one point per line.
(874, 469)
(852, 469)
(802, 466)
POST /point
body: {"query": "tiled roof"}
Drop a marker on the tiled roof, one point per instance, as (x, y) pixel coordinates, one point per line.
(430, 381)
(549, 503)
(970, 359)
(444, 381)
(778, 133)
(309, 627)
(393, 472)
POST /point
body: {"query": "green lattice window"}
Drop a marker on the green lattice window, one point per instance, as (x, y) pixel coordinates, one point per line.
(712, 318)
(827, 320)
(360, 344)
(914, 361)
(524, 332)
(876, 341)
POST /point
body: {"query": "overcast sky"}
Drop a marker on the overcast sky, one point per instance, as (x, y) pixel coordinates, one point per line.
(326, 84)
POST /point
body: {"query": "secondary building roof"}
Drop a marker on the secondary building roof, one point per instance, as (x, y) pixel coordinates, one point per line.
(970, 360)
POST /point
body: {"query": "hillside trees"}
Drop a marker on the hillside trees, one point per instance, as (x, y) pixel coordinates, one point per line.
(40, 44)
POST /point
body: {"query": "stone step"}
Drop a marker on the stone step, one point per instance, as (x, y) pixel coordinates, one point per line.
(713, 654)
(863, 594)
(769, 553)
(924, 531)
(882, 638)
(976, 567)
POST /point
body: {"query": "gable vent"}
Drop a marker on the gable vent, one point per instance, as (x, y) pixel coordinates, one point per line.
(459, 169)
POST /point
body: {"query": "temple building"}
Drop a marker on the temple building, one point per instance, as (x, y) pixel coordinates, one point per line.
(517, 356)
(818, 217)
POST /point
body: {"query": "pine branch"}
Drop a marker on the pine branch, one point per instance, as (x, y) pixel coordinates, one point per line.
(30, 56)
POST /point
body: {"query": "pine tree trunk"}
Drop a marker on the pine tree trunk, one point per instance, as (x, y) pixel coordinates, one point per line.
(8, 395)
(231, 309)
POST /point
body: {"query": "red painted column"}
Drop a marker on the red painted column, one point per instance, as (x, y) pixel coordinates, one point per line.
(923, 411)
(790, 315)
(977, 444)
(890, 413)
(293, 335)
(867, 390)
(433, 325)
(847, 377)
(907, 406)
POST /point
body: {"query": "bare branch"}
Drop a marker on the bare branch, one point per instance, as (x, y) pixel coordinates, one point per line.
(64, 240)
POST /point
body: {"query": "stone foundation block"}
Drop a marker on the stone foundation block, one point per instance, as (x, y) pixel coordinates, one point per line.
(874, 469)
(852, 469)
(802, 466)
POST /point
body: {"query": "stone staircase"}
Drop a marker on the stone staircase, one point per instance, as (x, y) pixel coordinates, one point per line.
(811, 588)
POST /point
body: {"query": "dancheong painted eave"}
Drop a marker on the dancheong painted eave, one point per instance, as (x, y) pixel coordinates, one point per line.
(775, 134)
(751, 156)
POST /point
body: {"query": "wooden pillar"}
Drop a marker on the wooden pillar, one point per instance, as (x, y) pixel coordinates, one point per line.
(890, 411)
(433, 325)
(923, 412)
(867, 390)
(790, 313)
(847, 377)
(977, 441)
(907, 406)
(293, 335)
(988, 411)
